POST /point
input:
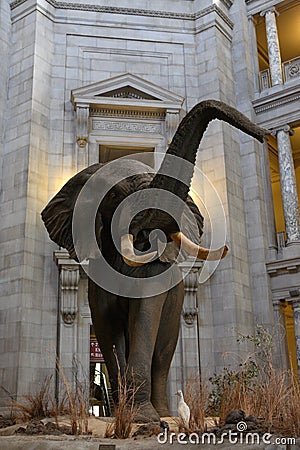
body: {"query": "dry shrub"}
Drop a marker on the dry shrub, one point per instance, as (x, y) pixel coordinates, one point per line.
(35, 406)
(260, 390)
(125, 410)
(43, 403)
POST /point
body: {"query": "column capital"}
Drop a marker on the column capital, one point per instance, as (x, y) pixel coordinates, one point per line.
(272, 9)
(295, 303)
(286, 128)
(252, 19)
(278, 303)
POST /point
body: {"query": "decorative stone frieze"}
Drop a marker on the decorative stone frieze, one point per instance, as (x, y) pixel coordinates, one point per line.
(273, 45)
(288, 184)
(126, 126)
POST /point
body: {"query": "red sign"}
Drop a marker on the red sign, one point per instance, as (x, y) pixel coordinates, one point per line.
(95, 352)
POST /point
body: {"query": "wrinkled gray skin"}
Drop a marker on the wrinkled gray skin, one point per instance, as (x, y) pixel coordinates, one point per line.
(144, 331)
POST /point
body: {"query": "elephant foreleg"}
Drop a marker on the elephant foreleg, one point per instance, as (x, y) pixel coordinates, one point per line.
(144, 318)
(165, 347)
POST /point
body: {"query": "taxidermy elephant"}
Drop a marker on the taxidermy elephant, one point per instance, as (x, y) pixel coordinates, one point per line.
(143, 328)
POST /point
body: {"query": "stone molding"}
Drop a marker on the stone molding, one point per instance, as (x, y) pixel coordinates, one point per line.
(135, 11)
(283, 266)
(126, 113)
(275, 99)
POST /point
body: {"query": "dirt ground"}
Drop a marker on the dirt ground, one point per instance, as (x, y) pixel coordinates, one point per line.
(9, 440)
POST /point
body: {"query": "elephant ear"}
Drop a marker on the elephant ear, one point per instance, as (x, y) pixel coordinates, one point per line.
(58, 214)
(193, 229)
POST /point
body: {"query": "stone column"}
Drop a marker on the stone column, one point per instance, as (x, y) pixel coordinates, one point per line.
(280, 331)
(186, 361)
(296, 310)
(67, 341)
(273, 45)
(288, 184)
(190, 323)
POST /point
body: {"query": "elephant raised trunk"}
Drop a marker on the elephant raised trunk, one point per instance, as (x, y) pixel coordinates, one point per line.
(187, 139)
(185, 145)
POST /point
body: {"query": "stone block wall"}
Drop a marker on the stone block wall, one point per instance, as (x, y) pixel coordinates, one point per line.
(195, 49)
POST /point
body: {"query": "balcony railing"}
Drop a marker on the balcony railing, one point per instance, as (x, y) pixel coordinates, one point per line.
(264, 79)
(290, 71)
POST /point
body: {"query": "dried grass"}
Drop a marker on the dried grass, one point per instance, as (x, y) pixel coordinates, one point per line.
(197, 397)
(42, 404)
(76, 404)
(35, 406)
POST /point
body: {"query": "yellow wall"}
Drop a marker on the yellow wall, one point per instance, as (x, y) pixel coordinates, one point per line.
(290, 334)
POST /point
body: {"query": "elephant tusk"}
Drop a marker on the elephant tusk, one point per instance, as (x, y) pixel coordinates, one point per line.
(128, 255)
(195, 250)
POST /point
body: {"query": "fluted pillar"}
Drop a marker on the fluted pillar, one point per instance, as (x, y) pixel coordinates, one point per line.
(253, 50)
(273, 45)
(172, 122)
(296, 310)
(288, 184)
(280, 331)
(82, 131)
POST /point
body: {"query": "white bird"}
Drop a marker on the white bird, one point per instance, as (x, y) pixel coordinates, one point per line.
(184, 412)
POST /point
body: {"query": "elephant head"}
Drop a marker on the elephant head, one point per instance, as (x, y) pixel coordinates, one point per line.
(172, 178)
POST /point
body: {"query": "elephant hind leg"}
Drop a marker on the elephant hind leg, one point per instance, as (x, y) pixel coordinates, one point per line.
(110, 331)
(165, 347)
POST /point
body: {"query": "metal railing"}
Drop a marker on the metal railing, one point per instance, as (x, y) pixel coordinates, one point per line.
(290, 71)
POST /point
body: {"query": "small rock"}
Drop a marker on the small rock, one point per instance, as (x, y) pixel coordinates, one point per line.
(164, 425)
(149, 429)
(235, 416)
(251, 419)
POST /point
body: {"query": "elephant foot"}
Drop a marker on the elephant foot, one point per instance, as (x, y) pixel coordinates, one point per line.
(146, 413)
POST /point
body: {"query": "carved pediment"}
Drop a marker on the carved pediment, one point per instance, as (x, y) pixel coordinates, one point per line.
(126, 90)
